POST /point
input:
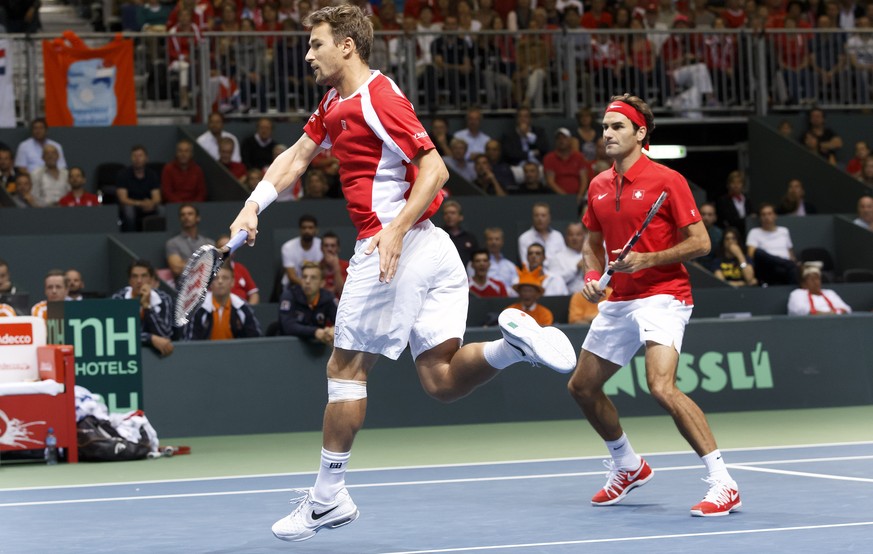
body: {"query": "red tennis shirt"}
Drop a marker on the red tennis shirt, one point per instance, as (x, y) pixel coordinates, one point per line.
(617, 207)
(375, 134)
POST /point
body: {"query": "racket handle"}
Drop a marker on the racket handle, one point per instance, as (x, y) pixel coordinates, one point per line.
(238, 240)
(604, 279)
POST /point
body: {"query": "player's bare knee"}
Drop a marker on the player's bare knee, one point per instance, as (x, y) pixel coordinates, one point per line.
(665, 392)
(577, 388)
(442, 391)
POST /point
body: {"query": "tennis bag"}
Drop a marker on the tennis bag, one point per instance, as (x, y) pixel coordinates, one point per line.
(100, 442)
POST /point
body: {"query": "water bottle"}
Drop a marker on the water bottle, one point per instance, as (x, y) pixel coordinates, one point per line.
(51, 447)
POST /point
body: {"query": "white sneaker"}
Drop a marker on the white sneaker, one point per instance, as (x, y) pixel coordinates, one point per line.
(310, 516)
(539, 345)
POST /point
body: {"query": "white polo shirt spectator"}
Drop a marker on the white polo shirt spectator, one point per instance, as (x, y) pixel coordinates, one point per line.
(29, 154)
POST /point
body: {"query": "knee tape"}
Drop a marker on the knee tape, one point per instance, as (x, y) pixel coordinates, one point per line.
(343, 390)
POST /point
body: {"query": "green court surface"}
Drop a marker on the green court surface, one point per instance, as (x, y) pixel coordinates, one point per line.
(299, 452)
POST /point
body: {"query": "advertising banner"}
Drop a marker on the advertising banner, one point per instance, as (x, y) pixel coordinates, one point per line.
(19, 338)
(106, 346)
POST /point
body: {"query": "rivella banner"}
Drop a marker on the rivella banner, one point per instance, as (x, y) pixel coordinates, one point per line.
(761, 364)
(105, 335)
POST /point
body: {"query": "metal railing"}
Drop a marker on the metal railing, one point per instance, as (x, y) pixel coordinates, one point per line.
(687, 73)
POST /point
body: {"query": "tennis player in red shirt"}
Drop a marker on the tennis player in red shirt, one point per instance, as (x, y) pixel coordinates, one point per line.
(650, 304)
(406, 284)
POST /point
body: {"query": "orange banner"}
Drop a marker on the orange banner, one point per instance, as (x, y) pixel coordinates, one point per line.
(88, 87)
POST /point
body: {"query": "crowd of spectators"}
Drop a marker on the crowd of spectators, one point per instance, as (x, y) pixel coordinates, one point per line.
(524, 160)
(439, 44)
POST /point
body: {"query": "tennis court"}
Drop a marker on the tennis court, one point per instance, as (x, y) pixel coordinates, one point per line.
(808, 497)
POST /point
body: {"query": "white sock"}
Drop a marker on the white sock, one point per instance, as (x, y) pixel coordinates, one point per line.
(500, 354)
(623, 453)
(716, 467)
(331, 476)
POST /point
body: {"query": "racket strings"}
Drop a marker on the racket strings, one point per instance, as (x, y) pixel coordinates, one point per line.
(193, 284)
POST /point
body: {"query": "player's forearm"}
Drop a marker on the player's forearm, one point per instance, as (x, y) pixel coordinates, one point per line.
(290, 164)
(593, 257)
(692, 247)
(286, 169)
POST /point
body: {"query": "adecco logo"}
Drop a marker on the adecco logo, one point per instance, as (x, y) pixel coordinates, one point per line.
(16, 334)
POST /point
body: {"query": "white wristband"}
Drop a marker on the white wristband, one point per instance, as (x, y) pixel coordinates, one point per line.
(263, 195)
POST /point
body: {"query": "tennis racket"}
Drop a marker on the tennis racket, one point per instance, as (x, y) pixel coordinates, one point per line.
(201, 268)
(604, 280)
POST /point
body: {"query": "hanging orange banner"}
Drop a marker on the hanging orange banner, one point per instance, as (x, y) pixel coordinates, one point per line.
(88, 87)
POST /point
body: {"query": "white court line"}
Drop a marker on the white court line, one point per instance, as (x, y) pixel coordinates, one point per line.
(643, 538)
(746, 466)
(360, 486)
(802, 473)
(436, 466)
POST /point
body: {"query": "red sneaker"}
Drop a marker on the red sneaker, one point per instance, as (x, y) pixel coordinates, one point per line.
(619, 482)
(722, 499)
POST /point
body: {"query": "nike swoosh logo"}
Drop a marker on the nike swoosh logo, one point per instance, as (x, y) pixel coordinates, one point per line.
(636, 474)
(734, 495)
(316, 516)
(520, 351)
(600, 196)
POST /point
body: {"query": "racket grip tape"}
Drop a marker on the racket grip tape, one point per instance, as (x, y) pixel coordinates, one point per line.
(238, 240)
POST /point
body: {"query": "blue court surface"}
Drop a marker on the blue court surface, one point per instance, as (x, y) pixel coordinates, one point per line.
(815, 498)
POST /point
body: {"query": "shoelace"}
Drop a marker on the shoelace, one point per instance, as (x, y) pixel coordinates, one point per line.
(719, 493)
(613, 477)
(299, 500)
(303, 495)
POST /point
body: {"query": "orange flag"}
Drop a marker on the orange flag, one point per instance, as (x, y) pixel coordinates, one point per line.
(88, 87)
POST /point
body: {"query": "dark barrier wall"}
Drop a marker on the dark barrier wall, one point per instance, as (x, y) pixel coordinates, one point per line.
(775, 159)
(854, 245)
(58, 221)
(278, 384)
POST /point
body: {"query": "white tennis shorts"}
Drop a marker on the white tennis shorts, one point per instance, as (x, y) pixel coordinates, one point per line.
(424, 305)
(622, 327)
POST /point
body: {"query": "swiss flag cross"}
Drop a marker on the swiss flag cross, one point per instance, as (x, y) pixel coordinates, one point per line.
(638, 194)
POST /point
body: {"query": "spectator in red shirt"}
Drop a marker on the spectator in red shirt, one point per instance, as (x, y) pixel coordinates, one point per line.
(606, 64)
(481, 285)
(78, 196)
(334, 269)
(182, 179)
(719, 54)
(566, 169)
(179, 51)
(734, 15)
(225, 158)
(597, 17)
(793, 57)
(862, 152)
(202, 13)
(270, 24)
